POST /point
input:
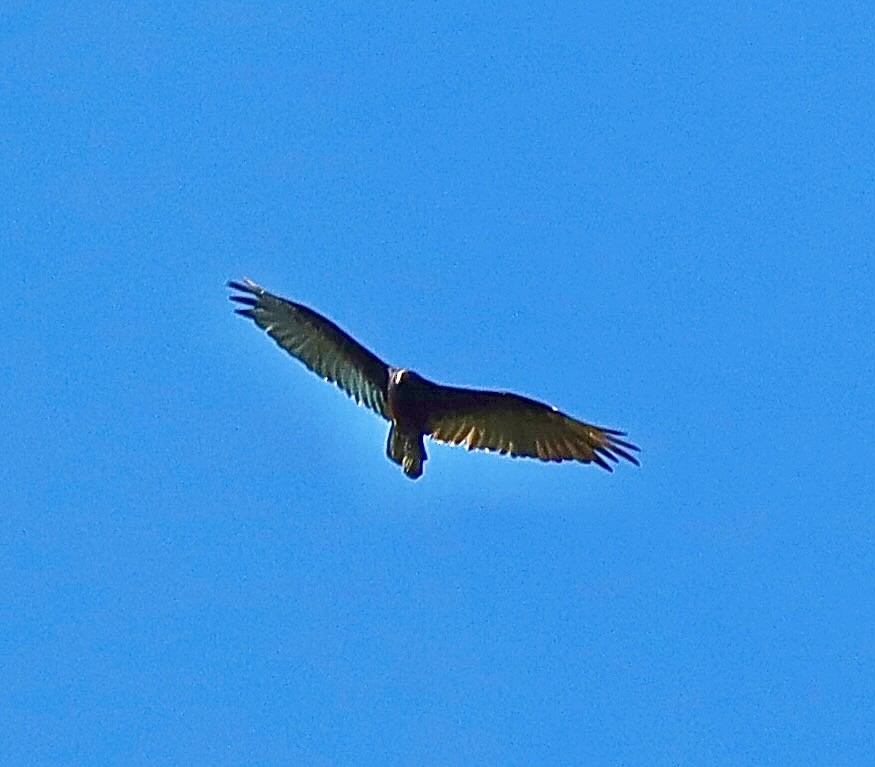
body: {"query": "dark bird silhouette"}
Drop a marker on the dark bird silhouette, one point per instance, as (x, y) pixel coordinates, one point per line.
(416, 407)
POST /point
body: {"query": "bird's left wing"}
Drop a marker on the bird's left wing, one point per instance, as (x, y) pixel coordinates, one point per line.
(317, 342)
(519, 426)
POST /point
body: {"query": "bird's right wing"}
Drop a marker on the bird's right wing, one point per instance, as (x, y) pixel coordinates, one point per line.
(317, 342)
(519, 426)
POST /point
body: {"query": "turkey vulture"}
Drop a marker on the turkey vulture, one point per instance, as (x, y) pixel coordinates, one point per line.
(416, 407)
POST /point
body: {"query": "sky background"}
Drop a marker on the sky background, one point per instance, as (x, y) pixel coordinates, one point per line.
(657, 217)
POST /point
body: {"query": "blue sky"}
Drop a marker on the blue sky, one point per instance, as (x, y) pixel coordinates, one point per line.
(656, 217)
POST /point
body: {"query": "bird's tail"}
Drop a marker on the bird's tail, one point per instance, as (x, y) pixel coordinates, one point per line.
(407, 450)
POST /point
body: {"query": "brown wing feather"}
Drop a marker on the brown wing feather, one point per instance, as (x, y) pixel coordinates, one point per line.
(317, 342)
(518, 426)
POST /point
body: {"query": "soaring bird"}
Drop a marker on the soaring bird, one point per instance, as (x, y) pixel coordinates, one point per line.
(416, 407)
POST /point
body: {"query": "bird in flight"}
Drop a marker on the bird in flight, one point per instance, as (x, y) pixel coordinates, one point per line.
(416, 407)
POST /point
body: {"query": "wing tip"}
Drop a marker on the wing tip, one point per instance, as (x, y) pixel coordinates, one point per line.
(625, 450)
(613, 446)
(246, 286)
(599, 461)
(251, 297)
(606, 452)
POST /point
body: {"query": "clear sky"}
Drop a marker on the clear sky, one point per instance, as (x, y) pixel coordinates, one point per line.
(657, 217)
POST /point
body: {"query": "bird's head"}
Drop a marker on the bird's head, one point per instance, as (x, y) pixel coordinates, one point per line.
(406, 379)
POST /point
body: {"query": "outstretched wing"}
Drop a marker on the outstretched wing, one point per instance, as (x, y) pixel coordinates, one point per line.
(518, 426)
(317, 342)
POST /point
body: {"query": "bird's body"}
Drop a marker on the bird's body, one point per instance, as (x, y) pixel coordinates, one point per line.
(416, 407)
(407, 414)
